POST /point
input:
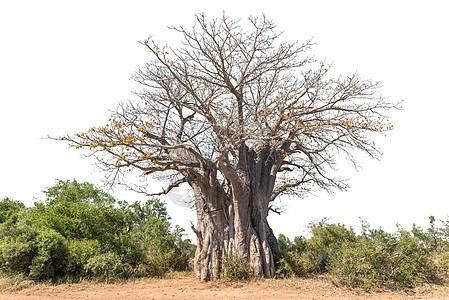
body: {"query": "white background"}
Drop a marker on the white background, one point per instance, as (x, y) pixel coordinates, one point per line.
(64, 64)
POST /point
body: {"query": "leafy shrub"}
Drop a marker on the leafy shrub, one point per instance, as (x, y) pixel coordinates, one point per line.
(36, 253)
(374, 258)
(10, 209)
(14, 282)
(296, 264)
(79, 230)
(285, 245)
(237, 268)
(303, 258)
(325, 242)
(107, 266)
(436, 237)
(385, 259)
(51, 255)
(16, 256)
(78, 211)
(80, 251)
(158, 263)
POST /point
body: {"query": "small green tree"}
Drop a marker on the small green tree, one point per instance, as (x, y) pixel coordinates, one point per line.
(78, 211)
(10, 209)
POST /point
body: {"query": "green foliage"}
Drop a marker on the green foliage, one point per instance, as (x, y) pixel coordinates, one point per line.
(39, 254)
(9, 210)
(15, 282)
(293, 259)
(108, 266)
(237, 268)
(285, 245)
(374, 258)
(303, 258)
(436, 237)
(161, 248)
(295, 264)
(16, 256)
(81, 231)
(384, 259)
(78, 211)
(80, 251)
(325, 241)
(51, 255)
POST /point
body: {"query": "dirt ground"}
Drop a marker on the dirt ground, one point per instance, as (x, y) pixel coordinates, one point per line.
(188, 287)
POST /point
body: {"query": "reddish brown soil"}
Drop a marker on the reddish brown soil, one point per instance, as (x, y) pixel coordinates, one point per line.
(188, 287)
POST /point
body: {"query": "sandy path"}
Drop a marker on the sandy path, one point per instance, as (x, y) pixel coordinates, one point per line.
(187, 287)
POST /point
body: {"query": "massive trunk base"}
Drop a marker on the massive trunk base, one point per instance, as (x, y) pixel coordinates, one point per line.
(228, 231)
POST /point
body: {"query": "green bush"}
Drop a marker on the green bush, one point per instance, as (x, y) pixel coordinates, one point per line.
(325, 242)
(303, 258)
(40, 254)
(16, 256)
(374, 258)
(158, 263)
(296, 264)
(80, 251)
(107, 266)
(237, 268)
(9, 210)
(385, 259)
(51, 255)
(79, 230)
(78, 211)
(285, 245)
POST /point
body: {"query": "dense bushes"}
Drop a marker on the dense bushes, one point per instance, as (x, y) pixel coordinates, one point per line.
(81, 231)
(9, 210)
(373, 258)
(385, 259)
(35, 252)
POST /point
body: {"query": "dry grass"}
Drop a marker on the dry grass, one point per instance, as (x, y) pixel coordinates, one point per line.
(15, 283)
(186, 286)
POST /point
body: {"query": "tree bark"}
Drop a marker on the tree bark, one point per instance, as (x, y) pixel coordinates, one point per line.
(214, 215)
(232, 218)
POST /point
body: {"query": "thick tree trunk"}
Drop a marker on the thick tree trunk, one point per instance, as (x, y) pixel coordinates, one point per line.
(213, 237)
(222, 234)
(232, 221)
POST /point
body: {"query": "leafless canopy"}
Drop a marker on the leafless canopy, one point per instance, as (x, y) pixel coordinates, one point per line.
(230, 87)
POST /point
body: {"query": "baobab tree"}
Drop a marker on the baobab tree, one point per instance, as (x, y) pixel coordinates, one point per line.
(243, 118)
